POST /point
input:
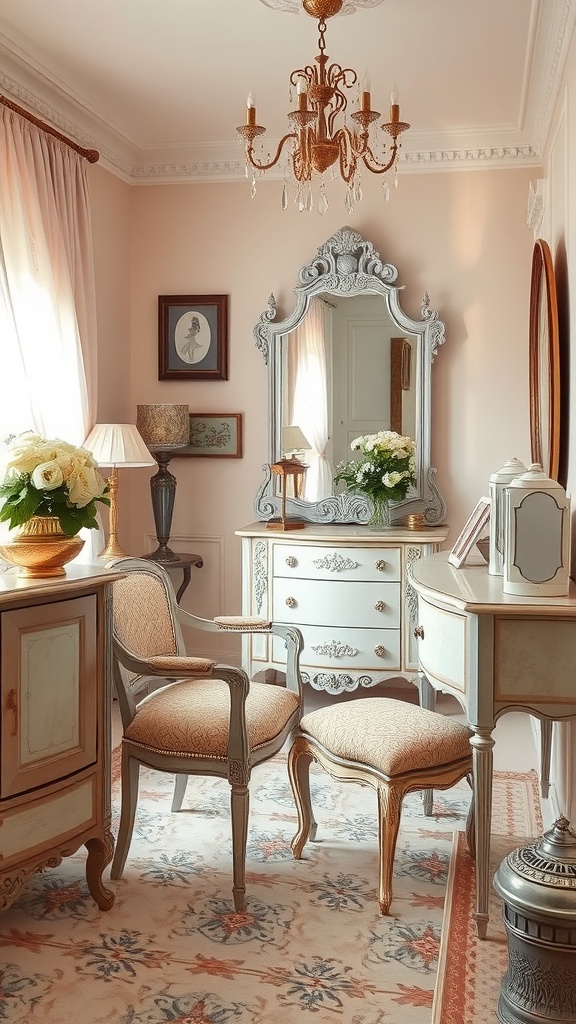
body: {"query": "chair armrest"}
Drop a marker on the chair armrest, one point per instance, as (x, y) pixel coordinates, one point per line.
(167, 666)
(229, 623)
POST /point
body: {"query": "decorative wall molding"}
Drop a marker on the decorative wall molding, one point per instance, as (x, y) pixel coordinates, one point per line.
(517, 146)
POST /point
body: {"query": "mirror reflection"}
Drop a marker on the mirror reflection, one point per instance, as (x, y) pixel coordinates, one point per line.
(348, 362)
(346, 372)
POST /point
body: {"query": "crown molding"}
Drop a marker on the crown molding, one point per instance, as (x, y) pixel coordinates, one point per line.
(32, 86)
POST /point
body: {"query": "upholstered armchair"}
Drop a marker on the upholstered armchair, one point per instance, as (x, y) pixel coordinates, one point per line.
(206, 718)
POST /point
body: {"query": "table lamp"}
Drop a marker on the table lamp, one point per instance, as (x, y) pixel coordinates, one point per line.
(289, 467)
(165, 428)
(120, 446)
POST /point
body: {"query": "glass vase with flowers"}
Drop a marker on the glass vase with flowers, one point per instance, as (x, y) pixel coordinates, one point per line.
(383, 470)
(48, 493)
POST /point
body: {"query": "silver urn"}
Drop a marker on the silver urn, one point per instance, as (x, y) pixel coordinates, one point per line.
(538, 886)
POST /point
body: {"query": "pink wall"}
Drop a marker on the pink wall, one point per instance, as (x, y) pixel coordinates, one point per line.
(461, 236)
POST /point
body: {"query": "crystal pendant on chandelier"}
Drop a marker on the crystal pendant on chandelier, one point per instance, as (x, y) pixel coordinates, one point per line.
(315, 142)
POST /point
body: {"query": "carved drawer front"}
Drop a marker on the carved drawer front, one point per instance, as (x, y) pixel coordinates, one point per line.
(442, 645)
(46, 821)
(334, 563)
(346, 649)
(310, 602)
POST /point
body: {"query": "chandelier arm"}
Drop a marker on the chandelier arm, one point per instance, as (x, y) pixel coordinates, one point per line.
(301, 158)
(275, 158)
(346, 155)
(378, 167)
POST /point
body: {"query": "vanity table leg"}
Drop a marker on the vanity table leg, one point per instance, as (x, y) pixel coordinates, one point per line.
(427, 693)
(427, 698)
(545, 752)
(482, 744)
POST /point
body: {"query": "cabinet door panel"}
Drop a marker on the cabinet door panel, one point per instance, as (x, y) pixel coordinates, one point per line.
(49, 692)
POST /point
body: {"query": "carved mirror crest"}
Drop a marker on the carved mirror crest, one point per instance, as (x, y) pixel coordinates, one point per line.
(348, 361)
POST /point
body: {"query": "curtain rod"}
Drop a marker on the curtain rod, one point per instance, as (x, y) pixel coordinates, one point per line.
(91, 155)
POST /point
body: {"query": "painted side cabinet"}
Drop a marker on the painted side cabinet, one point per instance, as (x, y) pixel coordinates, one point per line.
(347, 590)
(55, 674)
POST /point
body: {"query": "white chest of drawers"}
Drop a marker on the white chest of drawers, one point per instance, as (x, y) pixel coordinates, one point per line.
(346, 589)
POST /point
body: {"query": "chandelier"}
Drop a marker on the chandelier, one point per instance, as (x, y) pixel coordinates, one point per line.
(316, 144)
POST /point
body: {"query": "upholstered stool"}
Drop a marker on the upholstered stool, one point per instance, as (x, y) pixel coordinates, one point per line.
(388, 744)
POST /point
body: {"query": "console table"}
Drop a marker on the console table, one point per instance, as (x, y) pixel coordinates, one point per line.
(55, 679)
(346, 588)
(495, 653)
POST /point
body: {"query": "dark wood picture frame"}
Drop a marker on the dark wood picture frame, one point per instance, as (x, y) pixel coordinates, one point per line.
(214, 435)
(192, 337)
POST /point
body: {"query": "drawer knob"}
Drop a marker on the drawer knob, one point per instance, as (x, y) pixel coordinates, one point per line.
(291, 562)
(380, 564)
(291, 602)
(419, 632)
(380, 606)
(380, 651)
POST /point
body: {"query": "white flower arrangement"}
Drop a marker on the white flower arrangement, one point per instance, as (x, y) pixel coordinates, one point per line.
(49, 478)
(385, 469)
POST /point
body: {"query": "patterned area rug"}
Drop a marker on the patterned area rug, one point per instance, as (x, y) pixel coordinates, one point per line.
(311, 944)
(471, 971)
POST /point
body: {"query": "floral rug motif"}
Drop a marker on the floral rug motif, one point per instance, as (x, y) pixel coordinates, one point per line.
(310, 946)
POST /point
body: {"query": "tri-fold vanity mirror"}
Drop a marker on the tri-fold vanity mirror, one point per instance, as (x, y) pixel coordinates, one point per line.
(348, 361)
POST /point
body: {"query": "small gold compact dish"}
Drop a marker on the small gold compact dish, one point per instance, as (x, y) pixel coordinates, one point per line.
(415, 522)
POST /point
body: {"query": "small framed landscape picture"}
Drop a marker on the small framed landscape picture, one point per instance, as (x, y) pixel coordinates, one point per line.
(215, 434)
(192, 337)
(473, 529)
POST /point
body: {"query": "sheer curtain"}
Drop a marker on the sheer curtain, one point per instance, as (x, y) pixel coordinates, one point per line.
(47, 300)
(309, 350)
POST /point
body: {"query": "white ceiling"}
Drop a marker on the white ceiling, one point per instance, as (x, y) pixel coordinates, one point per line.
(158, 86)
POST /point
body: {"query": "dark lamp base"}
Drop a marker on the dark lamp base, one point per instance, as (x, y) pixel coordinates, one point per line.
(163, 554)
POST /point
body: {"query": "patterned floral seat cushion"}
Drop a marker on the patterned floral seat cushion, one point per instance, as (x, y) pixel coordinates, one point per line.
(192, 716)
(389, 735)
(242, 622)
(173, 664)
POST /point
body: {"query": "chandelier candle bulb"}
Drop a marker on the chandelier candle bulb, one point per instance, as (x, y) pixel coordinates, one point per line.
(250, 110)
(394, 105)
(365, 93)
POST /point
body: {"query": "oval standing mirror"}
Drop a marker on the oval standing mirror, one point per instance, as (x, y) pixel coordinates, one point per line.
(544, 360)
(347, 362)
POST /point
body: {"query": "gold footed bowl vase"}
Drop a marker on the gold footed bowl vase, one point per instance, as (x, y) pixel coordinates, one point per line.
(40, 548)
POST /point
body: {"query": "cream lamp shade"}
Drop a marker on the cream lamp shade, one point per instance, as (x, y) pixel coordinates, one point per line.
(293, 440)
(118, 445)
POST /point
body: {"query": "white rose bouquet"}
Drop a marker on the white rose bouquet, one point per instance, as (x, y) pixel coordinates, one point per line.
(49, 478)
(384, 470)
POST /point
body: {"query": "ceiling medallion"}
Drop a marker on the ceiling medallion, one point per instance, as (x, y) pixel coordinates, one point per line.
(295, 6)
(315, 143)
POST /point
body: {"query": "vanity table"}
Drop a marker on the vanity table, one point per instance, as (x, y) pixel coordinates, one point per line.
(347, 590)
(494, 652)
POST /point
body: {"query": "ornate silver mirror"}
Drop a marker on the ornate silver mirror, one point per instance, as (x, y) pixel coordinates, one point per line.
(348, 362)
